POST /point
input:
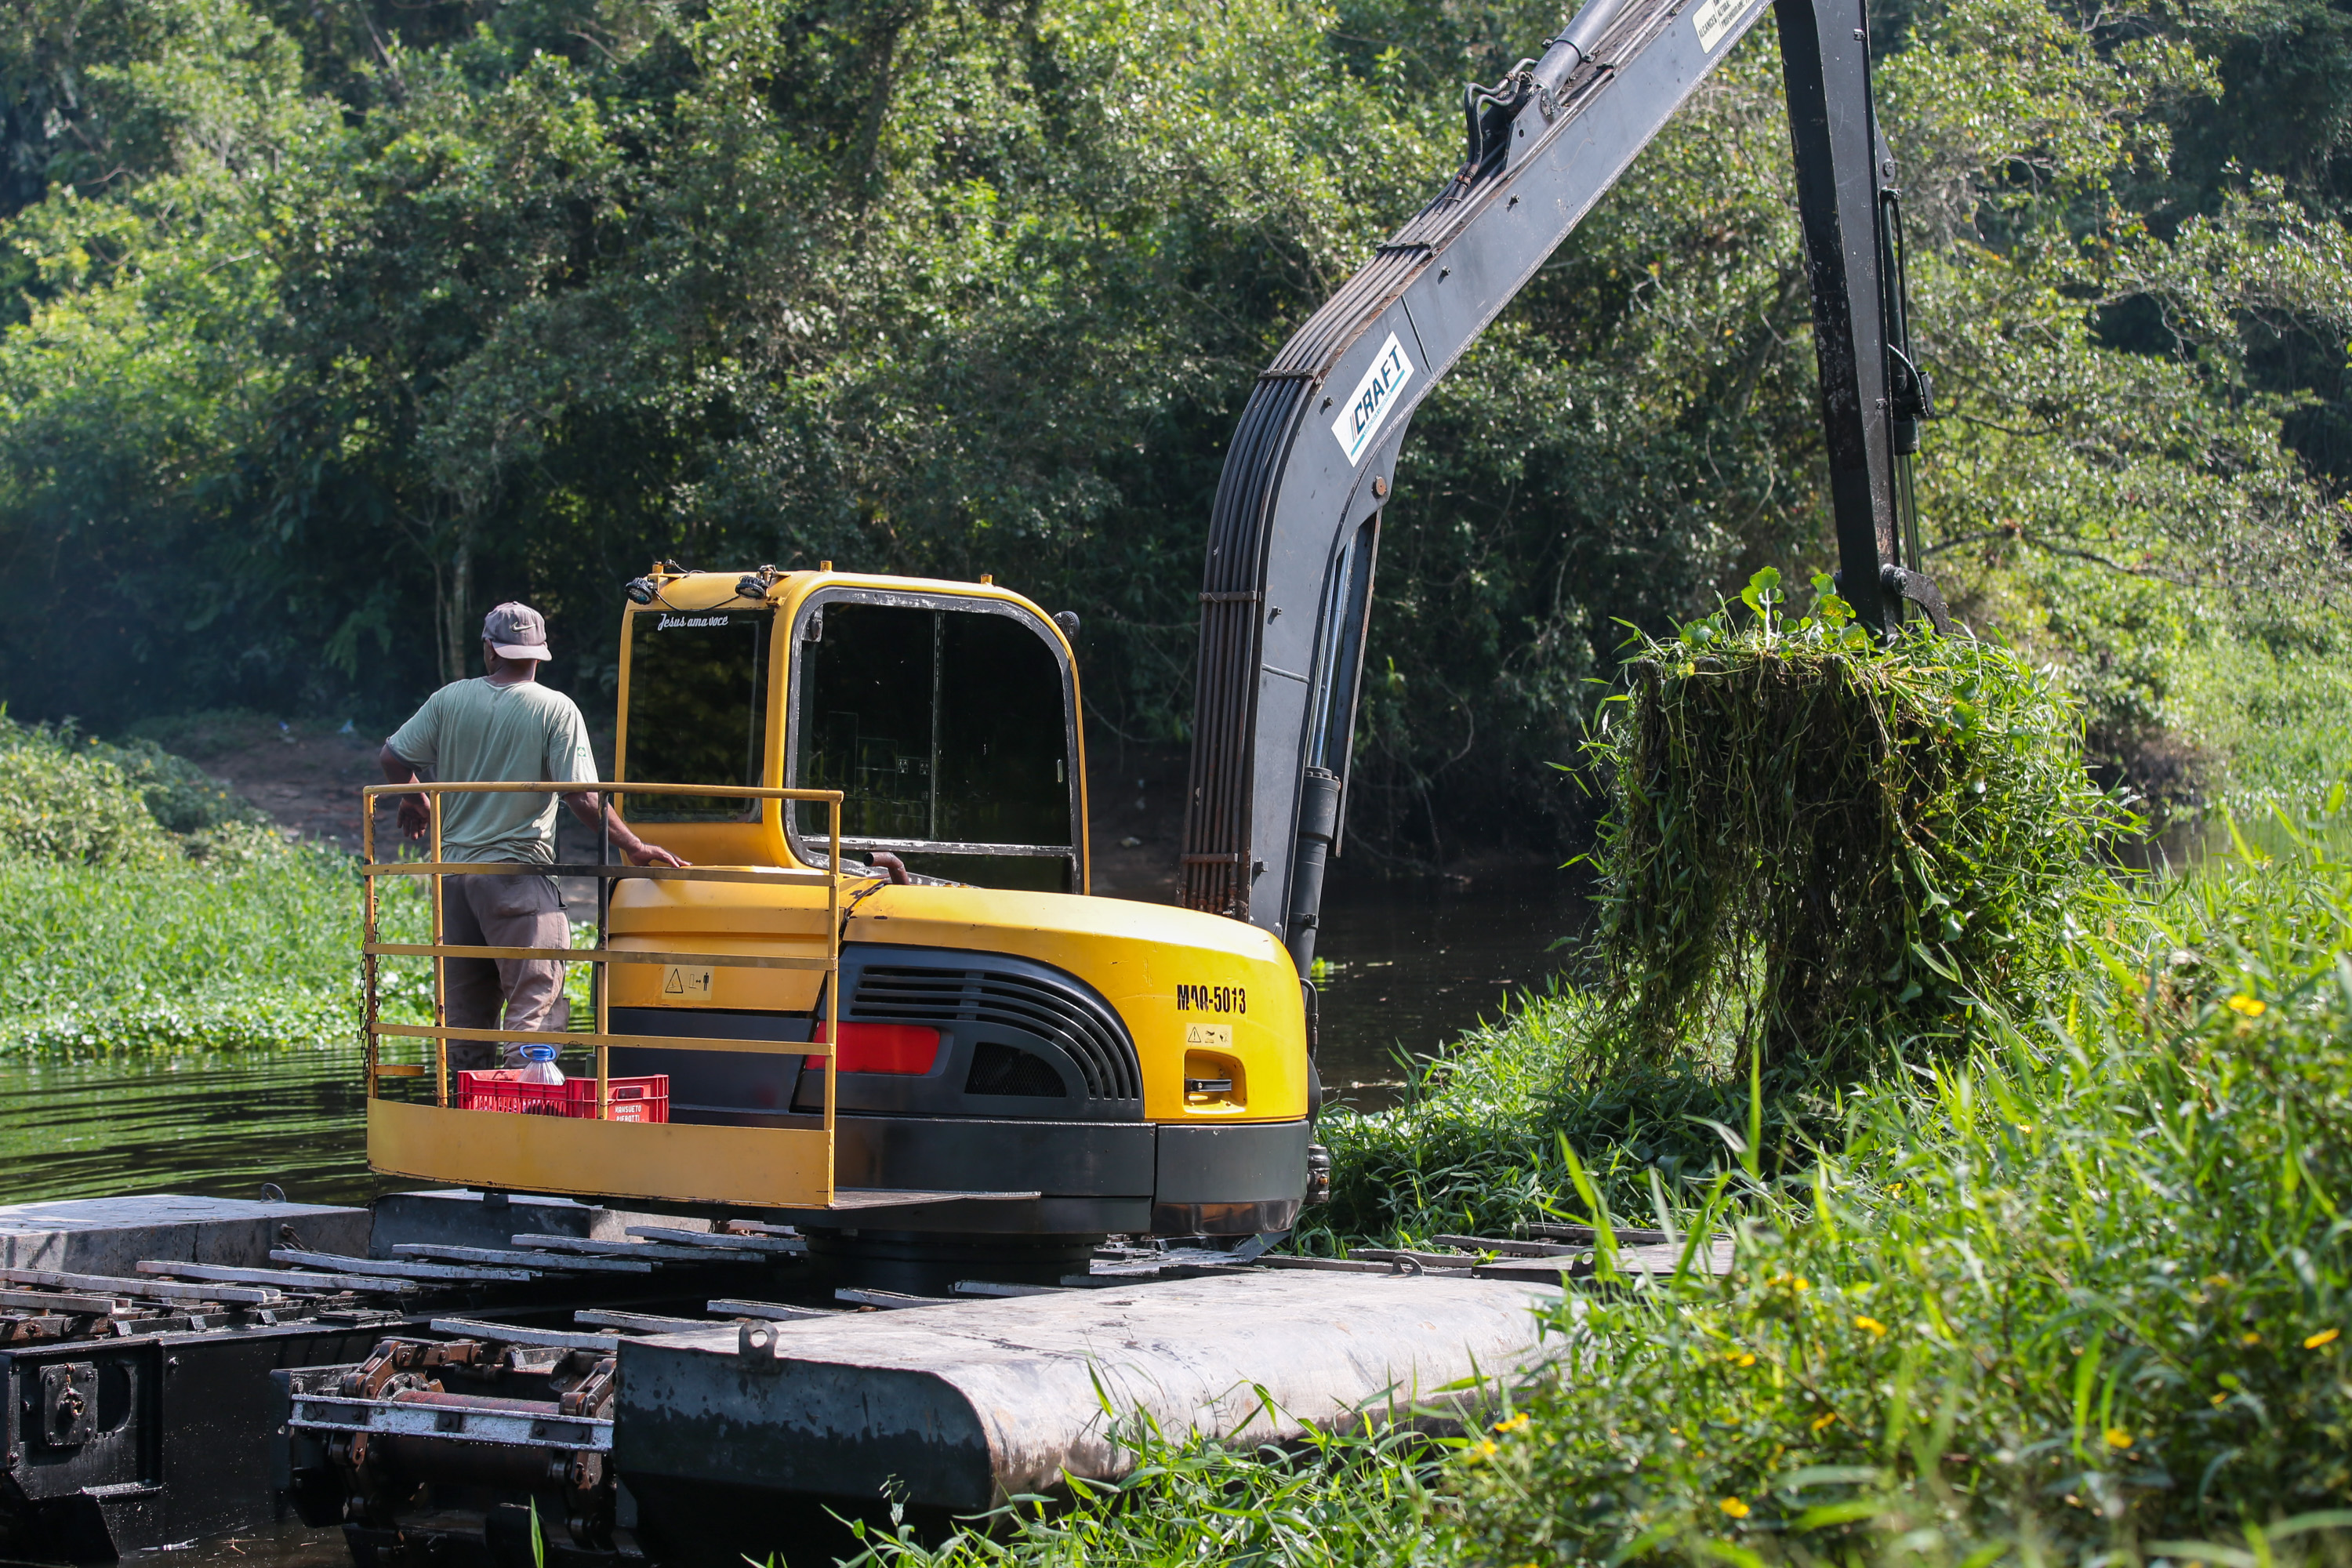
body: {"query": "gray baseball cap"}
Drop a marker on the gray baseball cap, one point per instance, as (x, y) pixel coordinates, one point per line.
(516, 631)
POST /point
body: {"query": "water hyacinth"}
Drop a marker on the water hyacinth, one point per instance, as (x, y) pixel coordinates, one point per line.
(246, 952)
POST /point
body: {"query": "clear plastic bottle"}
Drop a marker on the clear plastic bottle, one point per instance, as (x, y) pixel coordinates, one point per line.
(539, 1065)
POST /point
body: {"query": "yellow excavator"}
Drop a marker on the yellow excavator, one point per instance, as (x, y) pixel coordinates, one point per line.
(886, 1008)
(897, 828)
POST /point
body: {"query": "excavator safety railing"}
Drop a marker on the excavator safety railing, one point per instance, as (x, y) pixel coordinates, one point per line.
(776, 1167)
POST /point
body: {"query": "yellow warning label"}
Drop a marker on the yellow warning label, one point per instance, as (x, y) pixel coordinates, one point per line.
(1210, 1037)
(686, 985)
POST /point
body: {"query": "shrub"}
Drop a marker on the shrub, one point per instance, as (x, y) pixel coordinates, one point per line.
(58, 801)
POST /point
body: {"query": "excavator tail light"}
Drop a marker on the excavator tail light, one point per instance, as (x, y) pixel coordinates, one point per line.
(907, 1048)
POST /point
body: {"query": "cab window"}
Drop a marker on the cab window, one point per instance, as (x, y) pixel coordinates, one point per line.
(948, 731)
(698, 711)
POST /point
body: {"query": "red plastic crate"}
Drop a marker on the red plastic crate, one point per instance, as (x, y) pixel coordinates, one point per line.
(502, 1089)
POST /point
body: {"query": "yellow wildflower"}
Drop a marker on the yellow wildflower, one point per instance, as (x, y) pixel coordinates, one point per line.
(2219, 1397)
(1740, 1358)
(2118, 1438)
(2324, 1337)
(2219, 1282)
(1876, 1330)
(2250, 1337)
(1484, 1449)
(1734, 1507)
(1820, 1422)
(1513, 1425)
(2248, 1006)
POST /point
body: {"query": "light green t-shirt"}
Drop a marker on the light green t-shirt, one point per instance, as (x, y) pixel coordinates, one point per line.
(472, 732)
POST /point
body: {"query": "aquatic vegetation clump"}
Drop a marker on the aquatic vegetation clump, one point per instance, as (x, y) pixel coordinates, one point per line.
(1822, 848)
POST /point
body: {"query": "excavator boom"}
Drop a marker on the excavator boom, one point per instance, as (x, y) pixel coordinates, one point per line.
(1286, 595)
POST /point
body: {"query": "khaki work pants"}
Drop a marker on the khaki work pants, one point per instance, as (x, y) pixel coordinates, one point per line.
(501, 911)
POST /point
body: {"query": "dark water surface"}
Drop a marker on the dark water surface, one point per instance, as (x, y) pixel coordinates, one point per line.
(1412, 963)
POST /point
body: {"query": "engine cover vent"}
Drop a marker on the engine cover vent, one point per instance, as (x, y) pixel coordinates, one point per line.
(1028, 1001)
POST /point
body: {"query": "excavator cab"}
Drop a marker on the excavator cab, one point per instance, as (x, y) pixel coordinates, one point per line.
(948, 720)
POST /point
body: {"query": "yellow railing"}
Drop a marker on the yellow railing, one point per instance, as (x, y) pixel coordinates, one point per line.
(781, 1167)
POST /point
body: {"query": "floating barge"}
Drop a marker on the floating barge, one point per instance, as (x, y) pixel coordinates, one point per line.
(434, 1374)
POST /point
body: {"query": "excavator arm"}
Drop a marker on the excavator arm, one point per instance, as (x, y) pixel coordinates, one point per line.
(1288, 592)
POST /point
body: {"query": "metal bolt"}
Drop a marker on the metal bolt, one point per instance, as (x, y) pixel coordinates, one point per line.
(1857, 34)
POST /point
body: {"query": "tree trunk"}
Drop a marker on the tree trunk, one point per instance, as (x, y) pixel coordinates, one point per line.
(456, 590)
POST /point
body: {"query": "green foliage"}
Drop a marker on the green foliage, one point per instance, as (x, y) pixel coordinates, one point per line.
(1343, 1498)
(63, 802)
(1821, 849)
(1481, 1143)
(70, 797)
(349, 322)
(2083, 1292)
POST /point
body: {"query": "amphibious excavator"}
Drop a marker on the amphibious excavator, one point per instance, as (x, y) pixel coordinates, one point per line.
(883, 1003)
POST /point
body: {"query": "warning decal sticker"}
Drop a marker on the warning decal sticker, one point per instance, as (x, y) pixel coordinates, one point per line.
(1713, 19)
(680, 984)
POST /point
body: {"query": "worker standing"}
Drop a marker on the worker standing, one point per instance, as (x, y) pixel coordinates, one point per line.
(503, 726)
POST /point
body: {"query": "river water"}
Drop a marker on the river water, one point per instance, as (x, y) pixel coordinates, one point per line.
(1412, 963)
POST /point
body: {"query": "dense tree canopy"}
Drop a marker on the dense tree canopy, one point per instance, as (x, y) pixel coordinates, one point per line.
(328, 326)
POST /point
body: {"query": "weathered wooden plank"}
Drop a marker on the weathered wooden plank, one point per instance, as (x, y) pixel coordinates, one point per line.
(56, 1301)
(776, 1312)
(721, 1241)
(572, 1247)
(508, 1333)
(551, 1262)
(637, 1322)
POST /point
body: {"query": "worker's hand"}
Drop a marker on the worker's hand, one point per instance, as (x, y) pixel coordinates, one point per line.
(651, 855)
(414, 819)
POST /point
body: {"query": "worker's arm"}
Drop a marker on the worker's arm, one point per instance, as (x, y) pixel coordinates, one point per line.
(399, 770)
(585, 805)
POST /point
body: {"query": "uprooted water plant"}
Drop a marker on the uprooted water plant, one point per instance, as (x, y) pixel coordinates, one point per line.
(1822, 850)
